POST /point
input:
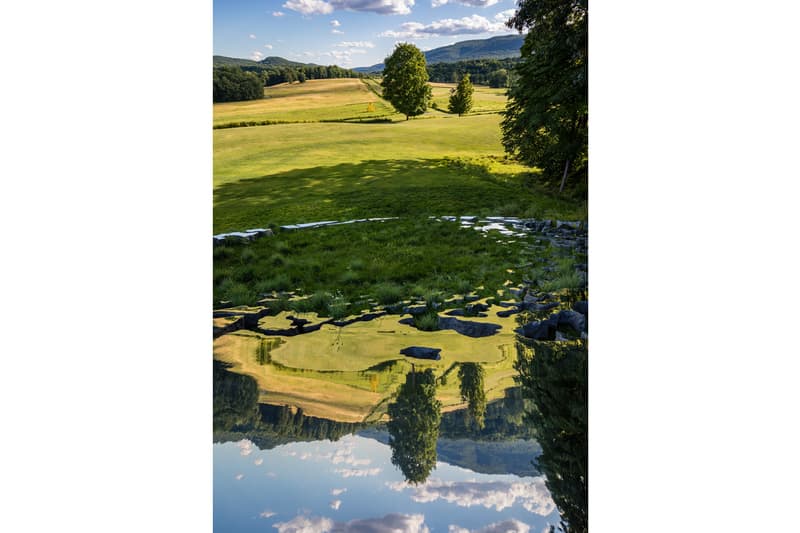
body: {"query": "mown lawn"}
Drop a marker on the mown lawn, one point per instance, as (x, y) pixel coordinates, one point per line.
(484, 99)
(314, 100)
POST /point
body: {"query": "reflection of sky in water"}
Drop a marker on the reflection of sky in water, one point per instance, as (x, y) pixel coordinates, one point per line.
(351, 485)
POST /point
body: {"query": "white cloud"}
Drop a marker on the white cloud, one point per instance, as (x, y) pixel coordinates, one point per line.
(305, 524)
(335, 23)
(337, 32)
(267, 514)
(503, 16)
(533, 495)
(473, 3)
(258, 461)
(253, 36)
(309, 7)
(391, 523)
(246, 446)
(335, 504)
(239, 477)
(473, 24)
(506, 526)
(255, 56)
(278, 13)
(382, 7)
(356, 44)
(336, 492)
(321, 7)
(268, 46)
(358, 472)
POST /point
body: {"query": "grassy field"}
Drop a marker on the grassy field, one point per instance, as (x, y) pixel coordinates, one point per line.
(241, 153)
(437, 164)
(314, 100)
(484, 99)
(368, 260)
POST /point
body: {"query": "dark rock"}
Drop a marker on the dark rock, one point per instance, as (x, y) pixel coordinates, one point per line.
(415, 309)
(455, 312)
(544, 330)
(573, 319)
(508, 312)
(530, 299)
(581, 307)
(537, 307)
(422, 352)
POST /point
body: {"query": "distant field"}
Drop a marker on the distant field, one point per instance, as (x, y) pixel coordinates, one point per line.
(335, 99)
(484, 99)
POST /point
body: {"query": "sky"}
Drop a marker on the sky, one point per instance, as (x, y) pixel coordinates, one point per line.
(350, 33)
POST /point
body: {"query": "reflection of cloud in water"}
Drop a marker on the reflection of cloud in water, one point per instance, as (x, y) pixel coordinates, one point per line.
(358, 472)
(335, 504)
(336, 492)
(245, 447)
(506, 526)
(391, 523)
(533, 495)
(258, 461)
(305, 524)
(267, 514)
(239, 476)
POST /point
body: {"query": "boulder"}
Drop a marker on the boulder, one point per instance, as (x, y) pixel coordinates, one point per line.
(544, 330)
(581, 307)
(573, 319)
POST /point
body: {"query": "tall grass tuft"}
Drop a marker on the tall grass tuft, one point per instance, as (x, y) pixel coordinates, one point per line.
(427, 321)
(388, 293)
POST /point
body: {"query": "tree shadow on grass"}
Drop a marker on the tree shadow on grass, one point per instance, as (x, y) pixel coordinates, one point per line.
(376, 188)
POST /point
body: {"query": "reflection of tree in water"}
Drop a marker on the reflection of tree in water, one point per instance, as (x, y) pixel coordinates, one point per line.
(235, 400)
(414, 426)
(555, 376)
(238, 415)
(471, 376)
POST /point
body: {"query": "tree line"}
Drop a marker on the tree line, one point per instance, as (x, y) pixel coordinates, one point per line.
(234, 83)
(495, 73)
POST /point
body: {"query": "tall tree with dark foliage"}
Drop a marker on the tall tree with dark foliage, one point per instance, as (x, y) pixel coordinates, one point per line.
(546, 120)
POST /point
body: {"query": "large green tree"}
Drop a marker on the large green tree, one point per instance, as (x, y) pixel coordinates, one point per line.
(546, 120)
(414, 426)
(405, 80)
(461, 97)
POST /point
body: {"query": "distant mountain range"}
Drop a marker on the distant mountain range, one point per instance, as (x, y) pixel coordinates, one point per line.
(272, 61)
(493, 48)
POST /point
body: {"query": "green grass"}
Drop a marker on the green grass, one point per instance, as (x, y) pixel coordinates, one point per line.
(241, 153)
(397, 259)
(381, 188)
(314, 100)
(484, 99)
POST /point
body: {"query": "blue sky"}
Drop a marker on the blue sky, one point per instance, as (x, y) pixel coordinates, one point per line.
(350, 33)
